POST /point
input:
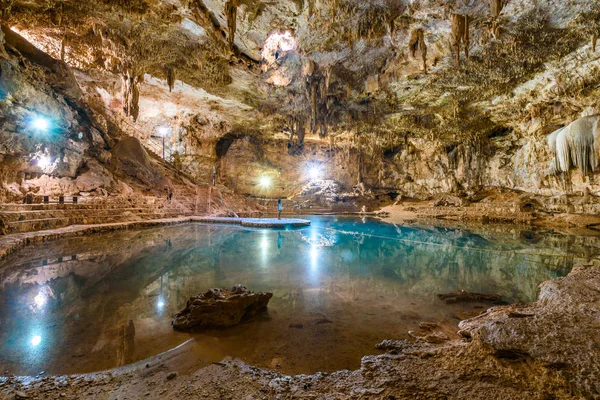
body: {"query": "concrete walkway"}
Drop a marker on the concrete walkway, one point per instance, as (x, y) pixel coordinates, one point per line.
(13, 242)
(257, 222)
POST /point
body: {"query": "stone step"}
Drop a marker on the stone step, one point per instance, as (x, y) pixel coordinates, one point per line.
(82, 206)
(53, 223)
(14, 216)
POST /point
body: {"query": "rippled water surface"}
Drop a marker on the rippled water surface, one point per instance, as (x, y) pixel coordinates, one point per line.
(350, 283)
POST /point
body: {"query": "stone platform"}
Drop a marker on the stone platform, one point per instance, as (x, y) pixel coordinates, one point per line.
(257, 222)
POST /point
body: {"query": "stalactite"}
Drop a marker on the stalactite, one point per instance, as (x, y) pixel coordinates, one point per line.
(131, 94)
(494, 23)
(231, 13)
(170, 78)
(594, 41)
(300, 131)
(460, 34)
(5, 7)
(417, 42)
(313, 106)
(576, 145)
(311, 7)
(334, 6)
(62, 49)
(496, 8)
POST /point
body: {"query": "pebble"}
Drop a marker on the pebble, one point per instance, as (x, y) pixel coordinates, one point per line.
(171, 376)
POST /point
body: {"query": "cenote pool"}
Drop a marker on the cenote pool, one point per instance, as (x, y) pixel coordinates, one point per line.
(350, 283)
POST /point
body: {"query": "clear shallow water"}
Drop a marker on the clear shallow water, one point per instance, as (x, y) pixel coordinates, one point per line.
(350, 282)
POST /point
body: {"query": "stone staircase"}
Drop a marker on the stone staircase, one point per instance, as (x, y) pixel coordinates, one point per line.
(19, 218)
(292, 208)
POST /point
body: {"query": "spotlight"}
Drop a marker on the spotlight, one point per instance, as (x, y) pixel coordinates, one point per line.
(160, 304)
(36, 340)
(265, 181)
(314, 173)
(40, 299)
(41, 124)
(163, 131)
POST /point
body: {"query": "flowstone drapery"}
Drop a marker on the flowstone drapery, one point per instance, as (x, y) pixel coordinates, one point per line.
(577, 145)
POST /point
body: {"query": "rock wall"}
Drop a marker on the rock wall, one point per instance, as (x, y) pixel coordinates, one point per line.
(412, 167)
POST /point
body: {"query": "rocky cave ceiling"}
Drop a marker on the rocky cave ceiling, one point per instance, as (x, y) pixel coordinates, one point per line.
(370, 72)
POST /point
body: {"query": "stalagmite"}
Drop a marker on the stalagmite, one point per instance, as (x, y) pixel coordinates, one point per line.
(417, 42)
(460, 34)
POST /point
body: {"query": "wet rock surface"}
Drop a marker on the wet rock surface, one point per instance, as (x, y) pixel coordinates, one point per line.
(221, 308)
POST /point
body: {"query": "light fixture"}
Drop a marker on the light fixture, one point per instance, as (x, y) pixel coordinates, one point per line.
(314, 173)
(40, 299)
(160, 304)
(35, 340)
(44, 162)
(264, 181)
(41, 124)
(163, 131)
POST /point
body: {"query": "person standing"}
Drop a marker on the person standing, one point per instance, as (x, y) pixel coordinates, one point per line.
(279, 208)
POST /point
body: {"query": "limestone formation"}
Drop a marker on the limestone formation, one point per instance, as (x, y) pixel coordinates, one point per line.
(417, 43)
(576, 146)
(5, 7)
(460, 35)
(496, 7)
(221, 308)
(131, 94)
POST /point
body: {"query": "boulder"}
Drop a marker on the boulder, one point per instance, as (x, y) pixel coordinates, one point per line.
(221, 308)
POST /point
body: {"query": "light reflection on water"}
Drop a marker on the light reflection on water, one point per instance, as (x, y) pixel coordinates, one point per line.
(349, 282)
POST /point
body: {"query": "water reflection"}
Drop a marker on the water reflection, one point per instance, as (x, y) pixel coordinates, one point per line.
(348, 282)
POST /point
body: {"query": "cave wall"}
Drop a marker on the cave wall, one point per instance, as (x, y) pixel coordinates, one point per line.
(63, 158)
(414, 167)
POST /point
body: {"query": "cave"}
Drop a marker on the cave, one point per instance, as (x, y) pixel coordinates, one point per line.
(334, 199)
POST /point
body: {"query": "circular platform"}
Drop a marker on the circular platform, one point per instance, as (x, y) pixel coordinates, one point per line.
(257, 222)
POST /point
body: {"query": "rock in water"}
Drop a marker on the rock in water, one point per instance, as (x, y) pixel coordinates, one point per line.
(462, 296)
(221, 308)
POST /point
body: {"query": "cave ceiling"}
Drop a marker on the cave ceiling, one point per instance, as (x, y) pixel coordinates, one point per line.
(326, 67)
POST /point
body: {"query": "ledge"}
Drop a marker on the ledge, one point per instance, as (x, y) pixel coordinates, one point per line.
(11, 243)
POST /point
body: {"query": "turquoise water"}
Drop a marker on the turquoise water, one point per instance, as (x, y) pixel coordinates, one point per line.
(349, 283)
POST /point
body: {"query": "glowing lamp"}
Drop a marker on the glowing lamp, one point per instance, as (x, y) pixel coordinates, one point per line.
(264, 181)
(160, 304)
(314, 173)
(44, 162)
(40, 299)
(36, 340)
(41, 124)
(163, 131)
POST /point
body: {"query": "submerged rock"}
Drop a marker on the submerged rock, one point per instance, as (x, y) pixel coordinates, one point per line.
(221, 308)
(462, 296)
